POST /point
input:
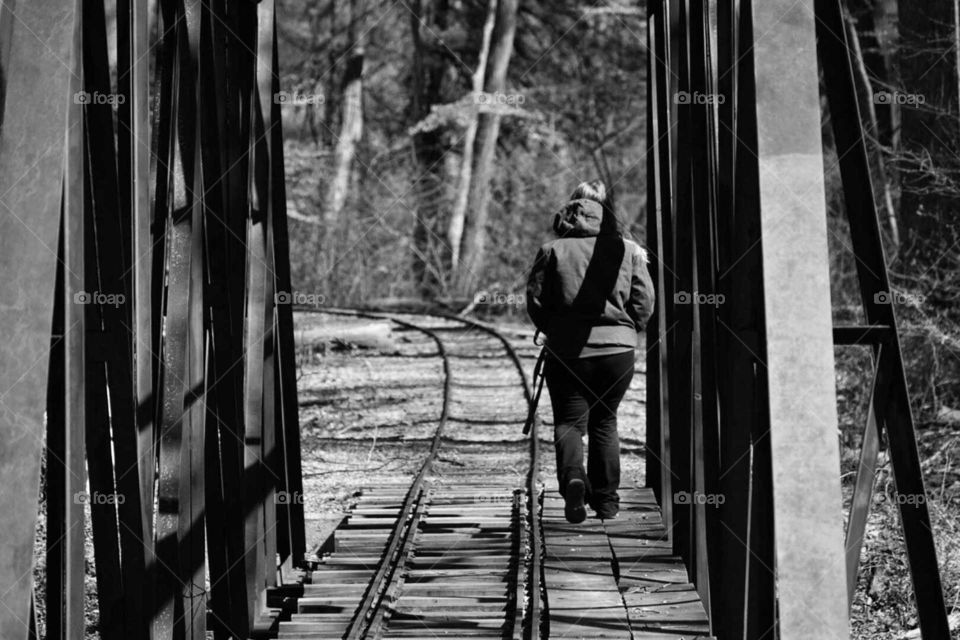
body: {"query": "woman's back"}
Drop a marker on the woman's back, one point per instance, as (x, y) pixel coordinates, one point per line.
(589, 290)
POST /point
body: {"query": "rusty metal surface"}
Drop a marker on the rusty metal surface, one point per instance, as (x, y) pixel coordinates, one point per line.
(37, 40)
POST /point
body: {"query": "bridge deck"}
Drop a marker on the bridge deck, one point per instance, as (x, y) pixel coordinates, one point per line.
(461, 560)
(617, 578)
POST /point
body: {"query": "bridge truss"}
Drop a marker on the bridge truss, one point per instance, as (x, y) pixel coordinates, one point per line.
(148, 367)
(170, 377)
(742, 420)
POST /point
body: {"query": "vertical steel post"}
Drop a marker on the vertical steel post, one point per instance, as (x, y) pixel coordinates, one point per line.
(799, 345)
(682, 270)
(39, 40)
(137, 157)
(292, 532)
(74, 340)
(661, 232)
(264, 186)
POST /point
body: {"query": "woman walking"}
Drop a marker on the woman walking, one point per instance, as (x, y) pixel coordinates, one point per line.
(589, 293)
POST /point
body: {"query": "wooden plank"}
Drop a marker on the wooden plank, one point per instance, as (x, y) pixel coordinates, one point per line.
(582, 596)
(654, 583)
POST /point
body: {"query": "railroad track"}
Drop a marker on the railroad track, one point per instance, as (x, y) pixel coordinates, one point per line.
(457, 551)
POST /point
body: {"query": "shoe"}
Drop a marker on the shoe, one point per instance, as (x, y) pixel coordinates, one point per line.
(573, 508)
(607, 510)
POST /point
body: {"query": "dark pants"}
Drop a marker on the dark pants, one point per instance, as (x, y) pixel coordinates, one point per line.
(585, 394)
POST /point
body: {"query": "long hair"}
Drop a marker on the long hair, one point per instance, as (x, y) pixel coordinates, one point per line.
(597, 191)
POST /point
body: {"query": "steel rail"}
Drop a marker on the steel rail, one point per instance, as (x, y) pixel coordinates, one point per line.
(533, 502)
(402, 535)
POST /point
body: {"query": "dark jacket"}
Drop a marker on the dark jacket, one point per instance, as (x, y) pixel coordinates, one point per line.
(589, 290)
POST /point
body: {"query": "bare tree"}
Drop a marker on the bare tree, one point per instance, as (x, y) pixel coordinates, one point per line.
(868, 100)
(428, 19)
(458, 215)
(351, 130)
(488, 130)
(929, 128)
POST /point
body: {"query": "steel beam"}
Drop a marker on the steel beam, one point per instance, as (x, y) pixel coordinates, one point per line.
(133, 60)
(799, 347)
(891, 405)
(37, 41)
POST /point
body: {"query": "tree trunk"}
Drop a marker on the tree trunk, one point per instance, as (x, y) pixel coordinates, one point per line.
(329, 105)
(887, 27)
(876, 22)
(459, 213)
(867, 99)
(473, 245)
(351, 130)
(429, 68)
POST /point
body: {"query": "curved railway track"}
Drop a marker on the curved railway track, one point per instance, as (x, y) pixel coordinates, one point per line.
(456, 552)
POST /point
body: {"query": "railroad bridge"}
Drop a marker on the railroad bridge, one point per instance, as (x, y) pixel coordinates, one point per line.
(146, 357)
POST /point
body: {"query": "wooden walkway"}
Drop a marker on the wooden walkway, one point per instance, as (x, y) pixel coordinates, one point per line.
(617, 578)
